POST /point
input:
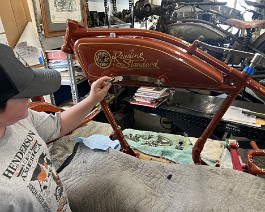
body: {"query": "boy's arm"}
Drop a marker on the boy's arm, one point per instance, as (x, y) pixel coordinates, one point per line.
(73, 116)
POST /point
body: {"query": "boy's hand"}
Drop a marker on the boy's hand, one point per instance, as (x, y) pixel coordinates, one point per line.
(99, 88)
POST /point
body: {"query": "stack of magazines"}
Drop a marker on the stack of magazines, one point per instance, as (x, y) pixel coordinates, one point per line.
(56, 59)
(150, 96)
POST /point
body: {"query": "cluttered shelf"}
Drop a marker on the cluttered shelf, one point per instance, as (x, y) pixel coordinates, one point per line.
(58, 60)
(244, 122)
(72, 76)
(242, 119)
(79, 77)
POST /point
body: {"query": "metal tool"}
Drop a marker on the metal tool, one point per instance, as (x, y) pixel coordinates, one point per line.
(111, 80)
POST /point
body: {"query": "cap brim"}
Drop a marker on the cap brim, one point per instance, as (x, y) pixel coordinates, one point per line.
(45, 81)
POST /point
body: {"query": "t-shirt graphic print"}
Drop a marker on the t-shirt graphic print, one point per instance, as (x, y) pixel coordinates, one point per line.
(31, 167)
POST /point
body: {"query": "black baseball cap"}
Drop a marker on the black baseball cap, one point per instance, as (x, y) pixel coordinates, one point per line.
(19, 81)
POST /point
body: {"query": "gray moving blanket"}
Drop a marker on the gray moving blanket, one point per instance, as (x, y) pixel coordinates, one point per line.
(112, 181)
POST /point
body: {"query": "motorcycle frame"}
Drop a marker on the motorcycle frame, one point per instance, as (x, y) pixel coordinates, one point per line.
(165, 12)
(234, 81)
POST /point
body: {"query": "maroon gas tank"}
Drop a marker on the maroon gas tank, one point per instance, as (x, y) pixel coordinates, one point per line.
(106, 56)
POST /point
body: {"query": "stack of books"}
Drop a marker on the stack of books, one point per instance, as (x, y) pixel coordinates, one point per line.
(150, 96)
(56, 59)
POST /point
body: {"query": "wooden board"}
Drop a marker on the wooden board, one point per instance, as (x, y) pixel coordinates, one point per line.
(15, 15)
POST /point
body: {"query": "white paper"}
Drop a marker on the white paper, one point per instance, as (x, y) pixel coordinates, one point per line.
(3, 39)
(29, 47)
(236, 114)
(60, 12)
(2, 30)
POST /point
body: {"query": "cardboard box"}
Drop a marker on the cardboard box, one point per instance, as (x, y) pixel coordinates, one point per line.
(15, 15)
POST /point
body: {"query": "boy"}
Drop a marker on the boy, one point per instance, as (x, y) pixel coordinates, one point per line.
(28, 181)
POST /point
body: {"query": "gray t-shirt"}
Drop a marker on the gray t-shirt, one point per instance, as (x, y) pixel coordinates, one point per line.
(28, 180)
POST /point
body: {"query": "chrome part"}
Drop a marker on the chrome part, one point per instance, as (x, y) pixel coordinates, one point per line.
(152, 80)
(150, 140)
(256, 60)
(226, 50)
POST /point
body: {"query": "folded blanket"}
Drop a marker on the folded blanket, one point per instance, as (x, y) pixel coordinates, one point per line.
(111, 181)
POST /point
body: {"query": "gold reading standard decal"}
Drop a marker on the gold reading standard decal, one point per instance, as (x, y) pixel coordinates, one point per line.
(131, 60)
(102, 58)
